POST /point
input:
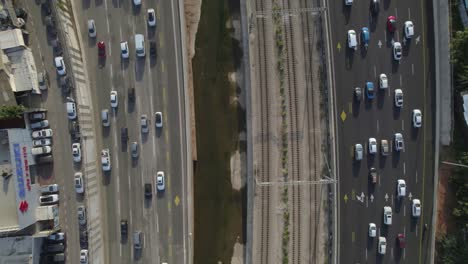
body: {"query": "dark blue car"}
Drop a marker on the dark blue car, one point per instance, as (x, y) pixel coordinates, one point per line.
(370, 90)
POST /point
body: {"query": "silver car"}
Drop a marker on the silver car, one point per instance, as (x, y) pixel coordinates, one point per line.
(82, 215)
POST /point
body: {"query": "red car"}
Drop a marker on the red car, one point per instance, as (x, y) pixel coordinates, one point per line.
(401, 240)
(391, 23)
(101, 49)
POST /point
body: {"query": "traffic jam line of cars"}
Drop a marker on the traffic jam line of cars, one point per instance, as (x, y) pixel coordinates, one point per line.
(398, 141)
(144, 121)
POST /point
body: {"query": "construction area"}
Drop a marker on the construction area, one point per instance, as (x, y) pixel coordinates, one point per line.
(289, 95)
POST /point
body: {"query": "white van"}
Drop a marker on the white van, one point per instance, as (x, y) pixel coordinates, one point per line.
(140, 45)
(105, 117)
(352, 39)
(71, 110)
(137, 239)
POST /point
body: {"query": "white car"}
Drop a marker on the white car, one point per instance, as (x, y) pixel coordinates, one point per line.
(372, 230)
(114, 100)
(401, 188)
(79, 186)
(105, 117)
(397, 51)
(42, 142)
(409, 29)
(398, 98)
(42, 80)
(71, 110)
(416, 208)
(358, 152)
(105, 160)
(352, 39)
(399, 142)
(160, 183)
(382, 245)
(76, 152)
(60, 65)
(84, 256)
(41, 150)
(383, 81)
(48, 199)
(51, 188)
(82, 215)
(125, 53)
(387, 215)
(137, 2)
(372, 146)
(348, 2)
(417, 118)
(144, 124)
(56, 237)
(40, 124)
(44, 133)
(158, 119)
(134, 149)
(151, 17)
(91, 28)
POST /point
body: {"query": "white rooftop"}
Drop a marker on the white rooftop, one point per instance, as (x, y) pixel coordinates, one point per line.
(23, 70)
(11, 39)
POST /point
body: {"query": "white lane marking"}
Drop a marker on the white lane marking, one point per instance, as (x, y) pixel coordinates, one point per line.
(409, 13)
(108, 27)
(377, 126)
(367, 202)
(391, 253)
(404, 168)
(375, 72)
(385, 35)
(403, 124)
(157, 222)
(401, 81)
(378, 230)
(412, 68)
(392, 199)
(388, 91)
(416, 228)
(366, 253)
(416, 176)
(396, 13)
(404, 210)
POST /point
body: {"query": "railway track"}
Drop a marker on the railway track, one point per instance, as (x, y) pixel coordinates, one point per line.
(265, 129)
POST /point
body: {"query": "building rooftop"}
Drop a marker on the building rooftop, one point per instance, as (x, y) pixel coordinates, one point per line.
(20, 249)
(23, 70)
(11, 39)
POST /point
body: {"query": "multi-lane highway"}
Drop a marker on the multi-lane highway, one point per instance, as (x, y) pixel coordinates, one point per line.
(158, 87)
(360, 202)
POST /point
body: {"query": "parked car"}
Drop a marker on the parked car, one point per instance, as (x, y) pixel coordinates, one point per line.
(40, 124)
(41, 150)
(60, 66)
(42, 142)
(48, 199)
(56, 237)
(71, 110)
(79, 184)
(51, 188)
(92, 28)
(42, 133)
(105, 160)
(82, 215)
(84, 256)
(76, 152)
(43, 80)
(36, 116)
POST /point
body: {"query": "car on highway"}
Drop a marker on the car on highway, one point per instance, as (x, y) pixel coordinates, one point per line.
(358, 152)
(76, 152)
(399, 142)
(60, 66)
(158, 119)
(51, 188)
(160, 182)
(79, 185)
(105, 160)
(137, 240)
(348, 2)
(153, 48)
(401, 188)
(384, 147)
(372, 146)
(42, 142)
(375, 7)
(105, 117)
(383, 81)
(84, 256)
(38, 115)
(114, 99)
(43, 80)
(134, 149)
(123, 229)
(409, 29)
(137, 2)
(370, 90)
(401, 241)
(144, 123)
(101, 49)
(91, 28)
(82, 215)
(41, 150)
(397, 51)
(56, 237)
(382, 246)
(352, 39)
(365, 37)
(416, 208)
(48, 199)
(398, 98)
(358, 94)
(140, 45)
(372, 230)
(151, 17)
(417, 118)
(124, 51)
(391, 23)
(40, 124)
(387, 215)
(71, 110)
(148, 190)
(44, 133)
(373, 175)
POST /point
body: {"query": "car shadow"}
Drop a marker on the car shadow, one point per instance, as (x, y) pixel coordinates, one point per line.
(124, 63)
(139, 68)
(396, 112)
(356, 107)
(106, 177)
(381, 93)
(370, 159)
(158, 131)
(382, 161)
(349, 55)
(356, 167)
(105, 131)
(346, 10)
(414, 132)
(144, 137)
(386, 4)
(148, 202)
(395, 158)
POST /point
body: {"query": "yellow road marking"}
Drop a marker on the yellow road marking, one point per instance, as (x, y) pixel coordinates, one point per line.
(169, 206)
(161, 39)
(353, 194)
(351, 151)
(162, 68)
(350, 106)
(338, 47)
(170, 232)
(177, 200)
(170, 250)
(345, 198)
(343, 116)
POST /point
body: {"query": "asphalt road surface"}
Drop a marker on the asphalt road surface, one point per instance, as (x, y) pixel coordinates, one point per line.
(158, 85)
(360, 202)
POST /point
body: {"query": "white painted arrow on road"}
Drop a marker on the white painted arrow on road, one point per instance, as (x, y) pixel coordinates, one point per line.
(386, 197)
(372, 198)
(417, 39)
(380, 44)
(410, 195)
